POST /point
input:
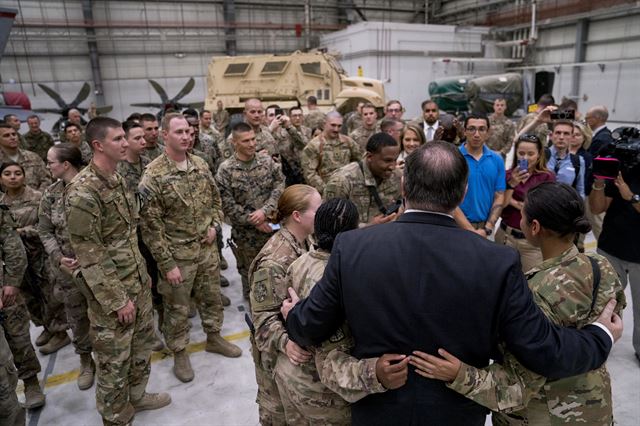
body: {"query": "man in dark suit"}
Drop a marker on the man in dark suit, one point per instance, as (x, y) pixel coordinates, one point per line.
(423, 283)
(596, 119)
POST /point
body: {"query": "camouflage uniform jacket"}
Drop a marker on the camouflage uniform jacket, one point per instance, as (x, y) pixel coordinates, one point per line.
(361, 135)
(541, 131)
(291, 142)
(86, 151)
(38, 143)
(333, 370)
(353, 121)
(264, 141)
(352, 182)
(13, 253)
(52, 223)
(178, 208)
(102, 218)
(209, 147)
(322, 156)
(132, 173)
(501, 134)
(562, 287)
(154, 152)
(24, 210)
(36, 174)
(315, 119)
(246, 187)
(268, 290)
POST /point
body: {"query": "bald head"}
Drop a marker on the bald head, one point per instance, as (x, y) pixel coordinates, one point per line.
(75, 116)
(253, 112)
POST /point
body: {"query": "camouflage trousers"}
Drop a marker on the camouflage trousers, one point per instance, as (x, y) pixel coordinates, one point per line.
(11, 413)
(122, 353)
(16, 331)
(248, 243)
(270, 408)
(305, 407)
(200, 277)
(75, 308)
(45, 305)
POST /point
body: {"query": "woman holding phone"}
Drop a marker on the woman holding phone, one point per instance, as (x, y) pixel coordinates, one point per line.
(527, 171)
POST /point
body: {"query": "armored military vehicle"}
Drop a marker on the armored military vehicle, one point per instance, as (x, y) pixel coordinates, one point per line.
(287, 80)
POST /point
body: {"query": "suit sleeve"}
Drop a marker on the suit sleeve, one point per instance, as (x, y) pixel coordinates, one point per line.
(315, 318)
(544, 348)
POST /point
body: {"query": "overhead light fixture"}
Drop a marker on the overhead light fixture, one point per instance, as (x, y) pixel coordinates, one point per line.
(179, 55)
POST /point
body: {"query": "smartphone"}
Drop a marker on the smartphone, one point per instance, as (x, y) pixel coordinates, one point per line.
(523, 164)
(279, 111)
(275, 226)
(606, 168)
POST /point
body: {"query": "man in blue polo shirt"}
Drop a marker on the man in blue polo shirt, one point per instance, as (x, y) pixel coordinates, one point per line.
(482, 204)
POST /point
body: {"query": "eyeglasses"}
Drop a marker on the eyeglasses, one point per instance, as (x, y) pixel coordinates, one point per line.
(529, 138)
(476, 129)
(394, 109)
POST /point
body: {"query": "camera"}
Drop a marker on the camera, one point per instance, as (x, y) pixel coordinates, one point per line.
(568, 115)
(393, 207)
(621, 154)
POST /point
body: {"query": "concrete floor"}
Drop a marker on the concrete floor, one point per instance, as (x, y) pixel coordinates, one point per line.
(223, 391)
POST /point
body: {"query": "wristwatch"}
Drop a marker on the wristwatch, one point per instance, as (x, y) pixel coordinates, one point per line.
(488, 231)
(635, 199)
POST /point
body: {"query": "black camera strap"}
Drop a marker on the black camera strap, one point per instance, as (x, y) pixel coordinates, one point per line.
(373, 191)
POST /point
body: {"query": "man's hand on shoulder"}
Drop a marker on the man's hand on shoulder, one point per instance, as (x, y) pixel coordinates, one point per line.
(392, 370)
(289, 303)
(611, 320)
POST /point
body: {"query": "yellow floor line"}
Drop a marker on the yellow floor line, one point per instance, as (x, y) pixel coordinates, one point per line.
(70, 376)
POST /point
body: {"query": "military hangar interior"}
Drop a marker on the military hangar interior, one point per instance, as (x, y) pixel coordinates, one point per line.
(73, 53)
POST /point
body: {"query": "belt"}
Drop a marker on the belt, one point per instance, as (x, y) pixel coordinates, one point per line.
(512, 231)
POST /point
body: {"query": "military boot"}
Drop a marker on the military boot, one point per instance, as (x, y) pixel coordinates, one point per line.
(224, 282)
(217, 344)
(223, 263)
(43, 338)
(157, 343)
(225, 300)
(182, 366)
(151, 401)
(193, 311)
(33, 395)
(57, 342)
(87, 372)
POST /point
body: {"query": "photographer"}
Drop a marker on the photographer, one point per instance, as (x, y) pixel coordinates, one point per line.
(621, 232)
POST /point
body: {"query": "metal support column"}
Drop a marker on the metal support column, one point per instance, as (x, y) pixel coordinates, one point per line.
(582, 34)
(94, 56)
(229, 12)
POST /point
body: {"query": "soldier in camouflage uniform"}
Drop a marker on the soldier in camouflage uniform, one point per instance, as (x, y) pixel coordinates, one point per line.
(328, 152)
(36, 140)
(503, 130)
(38, 291)
(64, 162)
(564, 287)
(102, 221)
(152, 146)
(314, 119)
(376, 172)
(320, 391)
(537, 123)
(354, 119)
(253, 115)
(11, 413)
(250, 186)
(291, 140)
(221, 118)
(16, 322)
(73, 135)
(181, 208)
(362, 133)
(268, 290)
(36, 174)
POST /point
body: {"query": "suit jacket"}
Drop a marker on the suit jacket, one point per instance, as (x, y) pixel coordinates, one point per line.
(599, 140)
(423, 283)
